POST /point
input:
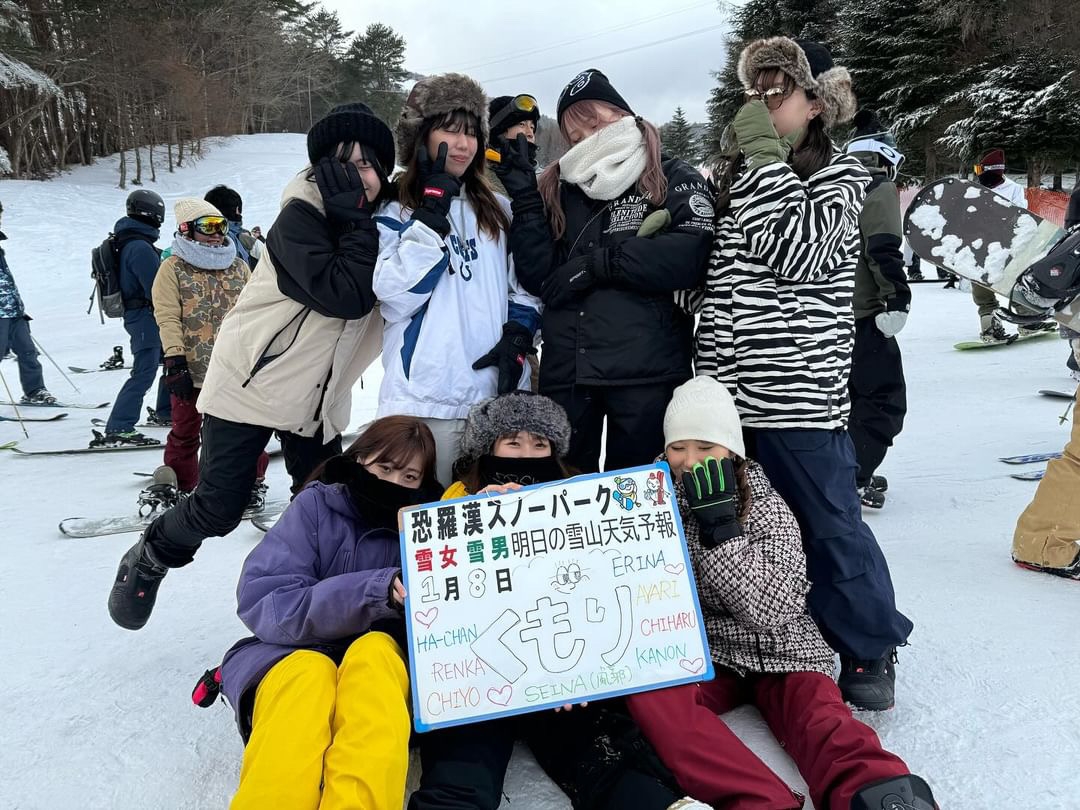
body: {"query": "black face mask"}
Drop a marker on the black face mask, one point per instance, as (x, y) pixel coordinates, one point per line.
(524, 471)
(377, 500)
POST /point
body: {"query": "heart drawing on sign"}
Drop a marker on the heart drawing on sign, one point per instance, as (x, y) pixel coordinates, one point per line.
(675, 570)
(427, 617)
(500, 697)
(694, 665)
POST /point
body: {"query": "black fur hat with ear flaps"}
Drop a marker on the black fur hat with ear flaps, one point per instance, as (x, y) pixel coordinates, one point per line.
(438, 95)
(811, 67)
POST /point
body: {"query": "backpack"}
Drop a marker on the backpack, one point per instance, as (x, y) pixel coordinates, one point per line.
(105, 271)
(1056, 277)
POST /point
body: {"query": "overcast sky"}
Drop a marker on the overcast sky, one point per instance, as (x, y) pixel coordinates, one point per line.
(537, 47)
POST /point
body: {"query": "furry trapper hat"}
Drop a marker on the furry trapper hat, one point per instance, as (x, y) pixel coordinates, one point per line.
(810, 65)
(519, 410)
(437, 96)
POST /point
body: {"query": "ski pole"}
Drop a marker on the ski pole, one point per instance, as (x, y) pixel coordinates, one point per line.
(11, 399)
(62, 374)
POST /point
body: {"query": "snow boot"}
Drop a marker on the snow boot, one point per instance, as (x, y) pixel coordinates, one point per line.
(130, 438)
(879, 483)
(871, 498)
(992, 331)
(117, 359)
(152, 418)
(869, 685)
(908, 792)
(39, 397)
(131, 600)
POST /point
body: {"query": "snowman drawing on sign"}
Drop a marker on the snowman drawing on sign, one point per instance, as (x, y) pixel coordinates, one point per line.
(654, 488)
(626, 491)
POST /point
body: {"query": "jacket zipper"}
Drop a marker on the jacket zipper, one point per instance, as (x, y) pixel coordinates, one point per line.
(262, 361)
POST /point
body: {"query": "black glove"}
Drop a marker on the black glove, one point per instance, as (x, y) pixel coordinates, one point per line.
(178, 378)
(517, 165)
(508, 355)
(438, 189)
(710, 491)
(344, 198)
(572, 280)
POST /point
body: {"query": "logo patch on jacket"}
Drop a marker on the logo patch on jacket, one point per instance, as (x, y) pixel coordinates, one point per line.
(627, 215)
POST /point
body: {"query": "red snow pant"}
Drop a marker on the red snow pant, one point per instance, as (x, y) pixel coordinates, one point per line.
(182, 444)
(835, 753)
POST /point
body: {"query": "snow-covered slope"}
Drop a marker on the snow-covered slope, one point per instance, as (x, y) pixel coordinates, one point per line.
(97, 717)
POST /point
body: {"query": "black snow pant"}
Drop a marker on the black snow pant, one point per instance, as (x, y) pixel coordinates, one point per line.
(596, 755)
(851, 592)
(227, 465)
(878, 397)
(635, 423)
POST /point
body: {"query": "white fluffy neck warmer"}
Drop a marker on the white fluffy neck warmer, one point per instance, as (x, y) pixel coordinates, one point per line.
(204, 256)
(608, 162)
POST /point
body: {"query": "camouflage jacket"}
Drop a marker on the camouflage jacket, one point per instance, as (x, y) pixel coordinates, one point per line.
(11, 305)
(189, 305)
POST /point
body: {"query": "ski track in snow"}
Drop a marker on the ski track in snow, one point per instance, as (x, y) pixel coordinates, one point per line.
(97, 716)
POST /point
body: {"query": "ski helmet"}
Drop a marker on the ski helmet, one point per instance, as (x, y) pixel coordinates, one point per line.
(146, 204)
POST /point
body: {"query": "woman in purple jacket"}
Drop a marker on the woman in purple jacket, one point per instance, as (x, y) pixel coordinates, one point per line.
(321, 691)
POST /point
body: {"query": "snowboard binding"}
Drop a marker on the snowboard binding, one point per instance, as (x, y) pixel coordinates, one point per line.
(117, 359)
(163, 493)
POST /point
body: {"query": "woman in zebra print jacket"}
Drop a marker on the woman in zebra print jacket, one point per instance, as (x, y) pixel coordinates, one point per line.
(777, 329)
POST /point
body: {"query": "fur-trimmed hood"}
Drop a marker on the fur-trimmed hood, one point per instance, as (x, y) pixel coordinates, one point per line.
(438, 95)
(829, 82)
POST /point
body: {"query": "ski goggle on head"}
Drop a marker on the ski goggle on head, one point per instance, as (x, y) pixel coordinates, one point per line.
(207, 226)
(523, 103)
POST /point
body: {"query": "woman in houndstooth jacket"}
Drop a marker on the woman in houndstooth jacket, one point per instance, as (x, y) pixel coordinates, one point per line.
(748, 561)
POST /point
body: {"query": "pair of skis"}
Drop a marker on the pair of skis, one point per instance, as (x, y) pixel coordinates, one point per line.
(1030, 458)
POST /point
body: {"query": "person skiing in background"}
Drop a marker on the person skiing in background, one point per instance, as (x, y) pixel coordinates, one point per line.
(458, 323)
(195, 288)
(286, 356)
(882, 302)
(990, 171)
(321, 689)
(616, 342)
(231, 206)
(777, 328)
(750, 571)
(139, 262)
(15, 336)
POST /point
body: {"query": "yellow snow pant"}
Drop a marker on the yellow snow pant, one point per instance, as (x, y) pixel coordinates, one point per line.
(1048, 530)
(327, 737)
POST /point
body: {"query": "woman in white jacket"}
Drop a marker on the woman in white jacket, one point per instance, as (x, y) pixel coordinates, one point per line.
(288, 353)
(458, 324)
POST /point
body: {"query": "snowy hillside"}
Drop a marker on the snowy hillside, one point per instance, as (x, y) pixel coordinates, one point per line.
(97, 717)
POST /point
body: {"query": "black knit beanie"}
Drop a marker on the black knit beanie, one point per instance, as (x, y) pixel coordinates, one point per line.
(589, 85)
(499, 105)
(354, 122)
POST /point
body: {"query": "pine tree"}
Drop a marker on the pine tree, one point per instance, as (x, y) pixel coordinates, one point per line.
(678, 138)
(375, 70)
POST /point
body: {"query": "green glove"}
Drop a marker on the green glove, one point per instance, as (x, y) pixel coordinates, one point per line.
(757, 136)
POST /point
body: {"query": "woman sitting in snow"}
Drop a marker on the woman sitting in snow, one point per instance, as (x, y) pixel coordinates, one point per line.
(321, 691)
(750, 570)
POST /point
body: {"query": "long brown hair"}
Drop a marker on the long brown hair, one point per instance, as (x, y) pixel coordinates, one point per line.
(813, 153)
(489, 213)
(394, 440)
(652, 185)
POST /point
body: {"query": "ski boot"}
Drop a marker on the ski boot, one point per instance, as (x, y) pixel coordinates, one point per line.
(117, 359)
(258, 497)
(869, 685)
(39, 397)
(879, 483)
(161, 494)
(129, 438)
(870, 497)
(993, 332)
(908, 792)
(152, 418)
(134, 591)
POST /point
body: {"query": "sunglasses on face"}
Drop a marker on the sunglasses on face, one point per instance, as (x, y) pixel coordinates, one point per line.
(211, 226)
(522, 103)
(773, 97)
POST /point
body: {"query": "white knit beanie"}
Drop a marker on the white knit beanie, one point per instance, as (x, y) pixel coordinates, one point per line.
(188, 209)
(702, 409)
